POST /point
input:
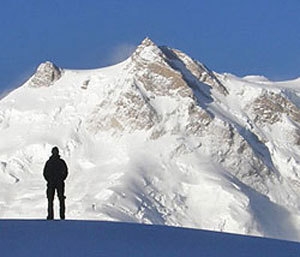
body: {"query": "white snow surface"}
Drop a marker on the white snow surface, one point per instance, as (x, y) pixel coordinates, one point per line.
(37, 238)
(154, 140)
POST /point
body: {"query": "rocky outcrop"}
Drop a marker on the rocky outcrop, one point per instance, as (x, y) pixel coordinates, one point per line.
(270, 107)
(151, 70)
(47, 73)
(129, 111)
(192, 70)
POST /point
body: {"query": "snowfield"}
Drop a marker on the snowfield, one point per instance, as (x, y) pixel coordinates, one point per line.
(157, 139)
(90, 238)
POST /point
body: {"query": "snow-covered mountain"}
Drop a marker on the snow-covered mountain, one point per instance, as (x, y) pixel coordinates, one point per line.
(158, 139)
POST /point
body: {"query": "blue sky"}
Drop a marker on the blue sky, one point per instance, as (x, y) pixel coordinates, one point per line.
(241, 37)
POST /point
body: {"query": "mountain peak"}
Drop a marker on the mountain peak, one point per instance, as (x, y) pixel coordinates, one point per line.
(46, 74)
(148, 42)
(147, 51)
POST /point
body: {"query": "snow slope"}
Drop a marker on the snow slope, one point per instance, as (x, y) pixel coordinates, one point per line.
(157, 139)
(79, 238)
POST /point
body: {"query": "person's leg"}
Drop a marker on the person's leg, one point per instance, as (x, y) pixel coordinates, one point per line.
(50, 196)
(61, 197)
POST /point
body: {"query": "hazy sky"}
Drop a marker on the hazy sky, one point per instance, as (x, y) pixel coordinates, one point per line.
(238, 36)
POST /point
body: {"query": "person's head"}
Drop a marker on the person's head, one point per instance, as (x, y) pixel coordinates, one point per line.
(55, 150)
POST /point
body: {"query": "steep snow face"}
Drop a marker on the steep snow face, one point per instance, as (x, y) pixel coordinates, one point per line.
(158, 139)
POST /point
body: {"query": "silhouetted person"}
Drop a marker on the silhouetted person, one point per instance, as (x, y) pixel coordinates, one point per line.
(55, 172)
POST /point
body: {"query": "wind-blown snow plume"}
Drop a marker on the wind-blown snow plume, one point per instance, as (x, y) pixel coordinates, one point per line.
(121, 52)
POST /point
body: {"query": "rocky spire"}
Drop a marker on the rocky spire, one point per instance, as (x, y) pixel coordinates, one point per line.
(46, 74)
(147, 42)
(147, 51)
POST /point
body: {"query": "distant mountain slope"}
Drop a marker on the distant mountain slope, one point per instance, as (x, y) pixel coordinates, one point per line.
(82, 238)
(160, 139)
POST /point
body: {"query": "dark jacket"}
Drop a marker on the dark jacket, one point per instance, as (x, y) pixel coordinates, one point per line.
(55, 170)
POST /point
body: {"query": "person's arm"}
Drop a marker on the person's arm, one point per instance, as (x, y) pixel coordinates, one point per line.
(46, 171)
(65, 170)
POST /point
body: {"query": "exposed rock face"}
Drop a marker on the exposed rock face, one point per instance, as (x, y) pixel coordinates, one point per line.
(130, 111)
(198, 120)
(47, 73)
(270, 107)
(152, 70)
(194, 72)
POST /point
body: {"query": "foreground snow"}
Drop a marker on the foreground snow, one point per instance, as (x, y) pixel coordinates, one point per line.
(87, 238)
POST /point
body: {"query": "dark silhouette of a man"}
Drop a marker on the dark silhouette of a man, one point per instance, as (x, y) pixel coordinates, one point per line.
(55, 172)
